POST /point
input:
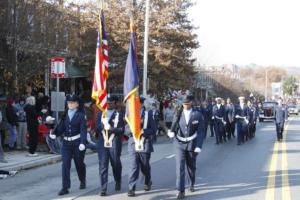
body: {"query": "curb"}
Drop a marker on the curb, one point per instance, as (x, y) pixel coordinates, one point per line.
(33, 163)
(39, 162)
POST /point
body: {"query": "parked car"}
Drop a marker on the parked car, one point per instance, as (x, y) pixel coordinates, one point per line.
(267, 111)
(293, 110)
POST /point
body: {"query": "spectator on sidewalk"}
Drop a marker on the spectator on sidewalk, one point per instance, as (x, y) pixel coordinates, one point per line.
(2, 159)
(3, 125)
(32, 125)
(40, 101)
(12, 122)
(22, 128)
(169, 115)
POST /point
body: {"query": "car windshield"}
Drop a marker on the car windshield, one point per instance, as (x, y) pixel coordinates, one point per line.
(269, 104)
(292, 106)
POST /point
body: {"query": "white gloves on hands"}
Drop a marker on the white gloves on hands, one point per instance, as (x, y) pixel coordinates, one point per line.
(81, 147)
(197, 150)
(247, 122)
(52, 136)
(171, 134)
(106, 124)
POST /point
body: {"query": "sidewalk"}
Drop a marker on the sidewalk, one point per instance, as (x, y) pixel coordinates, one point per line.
(17, 160)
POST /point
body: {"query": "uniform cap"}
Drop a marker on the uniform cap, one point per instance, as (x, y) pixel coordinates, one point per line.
(73, 98)
(188, 99)
(142, 99)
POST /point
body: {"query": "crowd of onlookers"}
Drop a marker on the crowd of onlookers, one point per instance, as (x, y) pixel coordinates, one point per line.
(19, 121)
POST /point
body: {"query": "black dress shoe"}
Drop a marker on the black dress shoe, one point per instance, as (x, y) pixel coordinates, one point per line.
(118, 186)
(102, 193)
(82, 186)
(239, 143)
(63, 192)
(147, 187)
(180, 195)
(192, 188)
(131, 193)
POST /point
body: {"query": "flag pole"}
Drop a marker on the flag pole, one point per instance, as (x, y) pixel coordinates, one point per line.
(145, 71)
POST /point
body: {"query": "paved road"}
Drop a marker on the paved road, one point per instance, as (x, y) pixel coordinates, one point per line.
(260, 169)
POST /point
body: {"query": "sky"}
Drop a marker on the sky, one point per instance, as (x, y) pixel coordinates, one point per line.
(264, 32)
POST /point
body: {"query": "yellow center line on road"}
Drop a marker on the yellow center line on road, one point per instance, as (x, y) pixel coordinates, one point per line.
(285, 185)
(270, 192)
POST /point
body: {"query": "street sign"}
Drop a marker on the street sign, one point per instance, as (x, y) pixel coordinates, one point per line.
(57, 67)
(58, 101)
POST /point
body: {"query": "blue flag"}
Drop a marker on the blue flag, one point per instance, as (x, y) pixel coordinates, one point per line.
(131, 78)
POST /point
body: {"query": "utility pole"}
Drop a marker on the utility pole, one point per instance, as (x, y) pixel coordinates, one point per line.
(266, 84)
(15, 40)
(145, 77)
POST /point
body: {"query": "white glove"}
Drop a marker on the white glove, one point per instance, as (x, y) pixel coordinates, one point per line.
(107, 126)
(171, 134)
(81, 147)
(197, 150)
(53, 137)
(247, 122)
(213, 118)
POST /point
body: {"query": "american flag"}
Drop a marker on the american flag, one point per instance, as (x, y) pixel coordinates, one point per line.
(99, 92)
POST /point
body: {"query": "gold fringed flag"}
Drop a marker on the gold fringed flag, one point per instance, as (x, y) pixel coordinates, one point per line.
(131, 85)
(99, 92)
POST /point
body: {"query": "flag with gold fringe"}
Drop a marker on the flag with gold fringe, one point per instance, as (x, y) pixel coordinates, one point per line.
(131, 85)
(99, 92)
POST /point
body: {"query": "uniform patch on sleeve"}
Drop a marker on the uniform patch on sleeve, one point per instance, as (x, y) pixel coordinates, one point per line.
(195, 122)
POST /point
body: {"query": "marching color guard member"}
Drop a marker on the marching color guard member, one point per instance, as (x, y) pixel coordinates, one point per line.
(280, 117)
(140, 160)
(188, 133)
(230, 119)
(219, 121)
(74, 130)
(210, 114)
(242, 117)
(110, 130)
